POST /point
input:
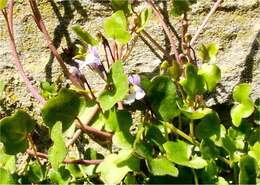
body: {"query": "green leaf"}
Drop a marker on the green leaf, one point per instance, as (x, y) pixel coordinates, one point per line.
(120, 5)
(36, 173)
(144, 18)
(180, 7)
(247, 173)
(161, 167)
(195, 114)
(193, 84)
(1, 88)
(116, 27)
(119, 90)
(211, 74)
(221, 181)
(3, 4)
(208, 149)
(229, 145)
(84, 35)
(14, 130)
(115, 166)
(208, 126)
(58, 151)
(245, 106)
(64, 107)
(257, 113)
(162, 97)
(255, 152)
(7, 162)
(154, 135)
(6, 177)
(60, 176)
(207, 53)
(180, 152)
(119, 121)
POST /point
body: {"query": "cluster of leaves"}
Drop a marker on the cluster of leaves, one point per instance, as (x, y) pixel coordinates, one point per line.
(174, 136)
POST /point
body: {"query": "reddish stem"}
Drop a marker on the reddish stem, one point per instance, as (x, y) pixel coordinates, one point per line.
(167, 30)
(66, 161)
(18, 64)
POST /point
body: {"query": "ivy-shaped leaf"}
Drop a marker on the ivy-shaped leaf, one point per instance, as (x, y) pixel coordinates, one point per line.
(248, 168)
(115, 166)
(180, 152)
(14, 130)
(208, 126)
(245, 106)
(84, 35)
(119, 87)
(144, 18)
(35, 172)
(161, 167)
(162, 97)
(64, 107)
(193, 84)
(211, 74)
(58, 151)
(3, 4)
(116, 27)
(207, 53)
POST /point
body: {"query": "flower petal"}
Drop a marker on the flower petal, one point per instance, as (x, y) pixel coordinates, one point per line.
(134, 79)
(129, 99)
(139, 93)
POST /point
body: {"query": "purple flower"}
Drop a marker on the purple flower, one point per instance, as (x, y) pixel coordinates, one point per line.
(93, 61)
(135, 91)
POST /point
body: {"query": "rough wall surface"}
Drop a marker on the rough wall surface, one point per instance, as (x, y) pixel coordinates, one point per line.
(235, 28)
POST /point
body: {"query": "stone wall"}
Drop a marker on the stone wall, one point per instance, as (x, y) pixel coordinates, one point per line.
(235, 28)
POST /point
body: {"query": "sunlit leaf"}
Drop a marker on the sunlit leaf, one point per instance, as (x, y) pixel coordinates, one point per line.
(58, 151)
(247, 173)
(7, 162)
(162, 166)
(195, 114)
(119, 87)
(84, 35)
(211, 74)
(116, 27)
(115, 166)
(193, 84)
(255, 152)
(221, 181)
(3, 4)
(64, 107)
(162, 97)
(245, 106)
(144, 18)
(14, 130)
(35, 172)
(207, 53)
(6, 177)
(180, 152)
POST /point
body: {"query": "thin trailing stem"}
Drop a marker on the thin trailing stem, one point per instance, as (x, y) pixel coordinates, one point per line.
(92, 113)
(9, 20)
(204, 23)
(38, 20)
(66, 161)
(168, 32)
(196, 181)
(147, 35)
(192, 128)
(91, 130)
(33, 148)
